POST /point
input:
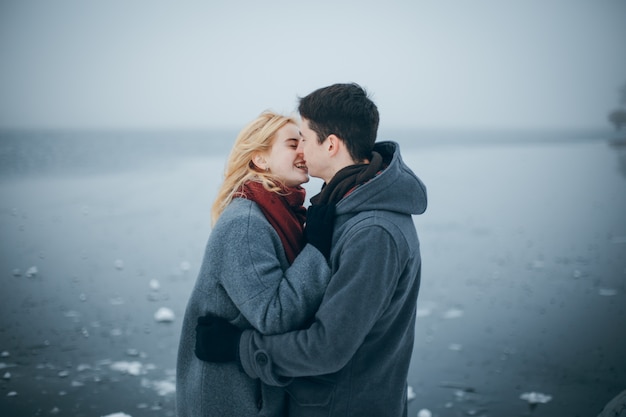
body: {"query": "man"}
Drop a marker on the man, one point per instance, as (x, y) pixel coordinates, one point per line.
(353, 359)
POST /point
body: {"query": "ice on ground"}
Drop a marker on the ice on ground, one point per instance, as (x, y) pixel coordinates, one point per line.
(71, 314)
(536, 397)
(132, 352)
(132, 368)
(163, 388)
(424, 413)
(118, 415)
(185, 266)
(31, 272)
(607, 292)
(116, 332)
(117, 301)
(155, 285)
(119, 264)
(164, 315)
(453, 313)
(410, 394)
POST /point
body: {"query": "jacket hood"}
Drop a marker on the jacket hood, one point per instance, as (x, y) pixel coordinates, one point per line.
(396, 188)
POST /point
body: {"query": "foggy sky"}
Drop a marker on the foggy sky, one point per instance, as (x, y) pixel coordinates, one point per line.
(198, 64)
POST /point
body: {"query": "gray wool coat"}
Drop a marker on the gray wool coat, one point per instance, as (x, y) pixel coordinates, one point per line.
(245, 277)
(354, 359)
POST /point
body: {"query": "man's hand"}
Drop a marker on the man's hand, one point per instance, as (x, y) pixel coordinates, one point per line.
(318, 231)
(217, 340)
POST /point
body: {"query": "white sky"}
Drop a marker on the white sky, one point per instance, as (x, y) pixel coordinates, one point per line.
(218, 63)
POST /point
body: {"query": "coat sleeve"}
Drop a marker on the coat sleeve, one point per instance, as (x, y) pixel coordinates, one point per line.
(272, 299)
(359, 292)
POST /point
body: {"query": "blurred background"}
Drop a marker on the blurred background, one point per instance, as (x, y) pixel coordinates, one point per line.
(156, 64)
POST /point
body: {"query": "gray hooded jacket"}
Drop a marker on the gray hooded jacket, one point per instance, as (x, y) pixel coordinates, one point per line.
(354, 359)
(245, 277)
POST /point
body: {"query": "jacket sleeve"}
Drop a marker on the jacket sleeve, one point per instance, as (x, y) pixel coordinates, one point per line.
(359, 292)
(271, 299)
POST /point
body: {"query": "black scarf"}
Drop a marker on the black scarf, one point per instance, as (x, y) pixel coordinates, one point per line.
(348, 178)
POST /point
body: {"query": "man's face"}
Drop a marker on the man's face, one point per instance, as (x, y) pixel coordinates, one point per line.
(314, 155)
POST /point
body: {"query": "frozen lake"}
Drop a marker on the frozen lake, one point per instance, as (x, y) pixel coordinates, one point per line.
(523, 288)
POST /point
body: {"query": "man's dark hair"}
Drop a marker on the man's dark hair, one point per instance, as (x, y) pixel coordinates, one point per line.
(346, 111)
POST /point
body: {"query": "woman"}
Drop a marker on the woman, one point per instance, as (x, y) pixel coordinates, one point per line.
(257, 271)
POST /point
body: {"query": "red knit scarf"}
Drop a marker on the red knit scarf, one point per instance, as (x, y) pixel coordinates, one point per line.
(284, 211)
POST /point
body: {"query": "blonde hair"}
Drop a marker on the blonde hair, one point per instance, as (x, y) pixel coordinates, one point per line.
(257, 137)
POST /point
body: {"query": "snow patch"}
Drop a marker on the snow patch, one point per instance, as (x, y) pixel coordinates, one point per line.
(164, 315)
(536, 397)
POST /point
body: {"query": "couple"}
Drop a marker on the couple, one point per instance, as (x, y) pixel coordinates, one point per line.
(289, 318)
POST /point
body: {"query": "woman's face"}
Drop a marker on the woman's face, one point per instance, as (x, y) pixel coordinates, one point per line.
(284, 160)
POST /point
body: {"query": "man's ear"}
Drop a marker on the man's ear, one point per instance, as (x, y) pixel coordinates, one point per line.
(333, 144)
